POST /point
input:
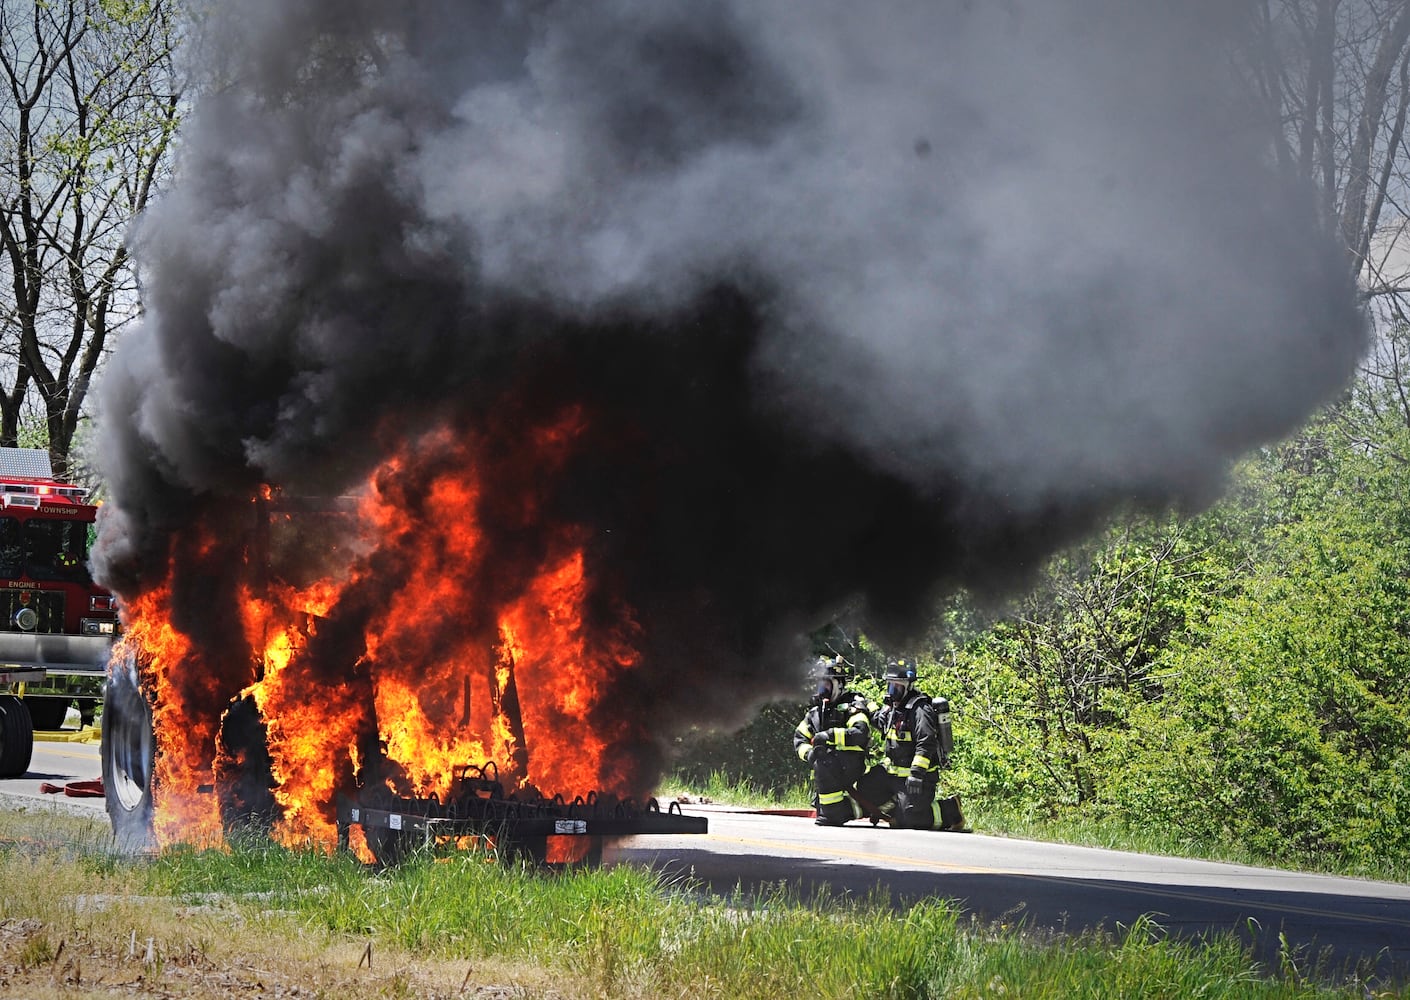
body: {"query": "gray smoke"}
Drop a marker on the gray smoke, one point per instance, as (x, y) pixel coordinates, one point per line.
(866, 300)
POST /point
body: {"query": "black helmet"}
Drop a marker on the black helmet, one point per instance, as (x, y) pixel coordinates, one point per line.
(829, 668)
(900, 675)
(900, 670)
(831, 677)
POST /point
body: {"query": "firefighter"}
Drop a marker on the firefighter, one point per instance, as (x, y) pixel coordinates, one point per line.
(835, 737)
(917, 744)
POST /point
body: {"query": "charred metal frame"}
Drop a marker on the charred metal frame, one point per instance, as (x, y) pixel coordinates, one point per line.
(479, 807)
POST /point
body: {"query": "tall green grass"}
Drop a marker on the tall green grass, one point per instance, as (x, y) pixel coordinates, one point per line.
(627, 932)
(575, 932)
(720, 787)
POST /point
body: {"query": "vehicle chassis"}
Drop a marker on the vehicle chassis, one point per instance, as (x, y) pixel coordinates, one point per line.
(479, 808)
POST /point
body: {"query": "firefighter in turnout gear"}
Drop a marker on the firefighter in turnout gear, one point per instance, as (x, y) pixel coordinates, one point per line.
(917, 744)
(835, 737)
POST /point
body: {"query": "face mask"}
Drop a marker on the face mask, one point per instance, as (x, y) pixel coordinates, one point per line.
(896, 691)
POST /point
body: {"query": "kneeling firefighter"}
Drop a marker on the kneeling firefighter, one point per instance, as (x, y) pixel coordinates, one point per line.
(834, 737)
(918, 743)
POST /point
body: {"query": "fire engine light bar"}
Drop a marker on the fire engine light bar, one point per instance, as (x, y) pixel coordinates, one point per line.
(35, 490)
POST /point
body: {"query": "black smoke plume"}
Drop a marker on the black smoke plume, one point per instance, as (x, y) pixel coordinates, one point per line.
(865, 301)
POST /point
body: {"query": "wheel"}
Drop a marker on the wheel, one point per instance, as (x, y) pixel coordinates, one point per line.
(47, 712)
(16, 737)
(128, 751)
(244, 775)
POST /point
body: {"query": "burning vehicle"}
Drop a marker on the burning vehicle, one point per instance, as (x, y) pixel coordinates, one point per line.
(378, 706)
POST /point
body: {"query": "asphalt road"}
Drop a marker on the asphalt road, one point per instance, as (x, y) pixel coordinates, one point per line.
(56, 762)
(1336, 926)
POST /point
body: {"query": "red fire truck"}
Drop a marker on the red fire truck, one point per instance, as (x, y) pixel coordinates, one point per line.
(56, 625)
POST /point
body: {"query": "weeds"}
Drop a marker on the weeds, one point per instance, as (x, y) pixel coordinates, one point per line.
(206, 923)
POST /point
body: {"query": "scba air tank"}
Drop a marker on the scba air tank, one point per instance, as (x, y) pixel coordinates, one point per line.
(947, 738)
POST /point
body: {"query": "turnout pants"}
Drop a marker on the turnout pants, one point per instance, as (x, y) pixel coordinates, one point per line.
(835, 773)
(884, 793)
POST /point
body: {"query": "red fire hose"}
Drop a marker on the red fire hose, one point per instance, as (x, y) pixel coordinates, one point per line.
(89, 789)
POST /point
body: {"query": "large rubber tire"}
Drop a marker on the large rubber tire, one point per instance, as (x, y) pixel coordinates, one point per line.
(244, 775)
(128, 753)
(16, 737)
(47, 712)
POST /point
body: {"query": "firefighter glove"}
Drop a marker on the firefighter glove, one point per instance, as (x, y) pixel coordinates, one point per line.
(821, 738)
(808, 757)
(914, 786)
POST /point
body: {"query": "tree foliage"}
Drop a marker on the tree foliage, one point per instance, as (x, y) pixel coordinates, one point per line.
(91, 111)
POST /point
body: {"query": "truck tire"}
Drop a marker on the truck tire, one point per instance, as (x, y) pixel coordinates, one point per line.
(128, 752)
(16, 737)
(47, 712)
(244, 775)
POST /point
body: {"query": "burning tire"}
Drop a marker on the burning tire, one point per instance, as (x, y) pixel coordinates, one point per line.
(128, 751)
(244, 774)
(16, 737)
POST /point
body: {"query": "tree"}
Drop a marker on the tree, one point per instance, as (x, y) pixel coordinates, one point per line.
(1041, 693)
(1335, 75)
(94, 105)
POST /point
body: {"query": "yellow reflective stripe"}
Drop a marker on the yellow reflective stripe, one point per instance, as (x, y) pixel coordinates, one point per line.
(804, 730)
(831, 798)
(921, 761)
(856, 718)
(803, 749)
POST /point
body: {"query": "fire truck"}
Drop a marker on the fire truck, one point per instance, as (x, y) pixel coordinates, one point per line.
(56, 625)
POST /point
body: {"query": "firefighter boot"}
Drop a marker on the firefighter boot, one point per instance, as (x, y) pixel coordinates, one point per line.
(951, 815)
(834, 809)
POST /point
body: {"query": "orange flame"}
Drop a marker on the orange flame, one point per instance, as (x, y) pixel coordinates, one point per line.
(472, 645)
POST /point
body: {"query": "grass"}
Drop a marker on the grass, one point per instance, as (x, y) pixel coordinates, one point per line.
(79, 920)
(719, 788)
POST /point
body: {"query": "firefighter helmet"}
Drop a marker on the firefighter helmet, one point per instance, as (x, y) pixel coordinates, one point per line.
(831, 677)
(900, 670)
(900, 675)
(830, 667)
